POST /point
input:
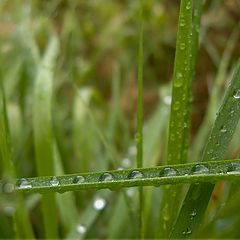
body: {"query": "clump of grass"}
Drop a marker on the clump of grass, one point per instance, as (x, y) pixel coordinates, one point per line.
(81, 149)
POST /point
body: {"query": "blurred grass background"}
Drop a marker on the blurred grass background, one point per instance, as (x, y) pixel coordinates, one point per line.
(95, 88)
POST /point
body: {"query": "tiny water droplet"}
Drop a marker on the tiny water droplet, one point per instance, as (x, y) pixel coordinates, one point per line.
(24, 183)
(182, 46)
(81, 229)
(200, 169)
(236, 94)
(135, 175)
(188, 5)
(126, 162)
(54, 181)
(193, 214)
(99, 203)
(132, 150)
(223, 129)
(9, 210)
(78, 179)
(106, 177)
(168, 172)
(182, 23)
(8, 187)
(187, 231)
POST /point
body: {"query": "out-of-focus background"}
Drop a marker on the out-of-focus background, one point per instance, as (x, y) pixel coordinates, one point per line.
(95, 78)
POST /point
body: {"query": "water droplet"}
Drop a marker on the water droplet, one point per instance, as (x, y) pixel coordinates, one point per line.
(81, 229)
(234, 168)
(200, 169)
(106, 177)
(130, 192)
(126, 162)
(99, 203)
(8, 187)
(137, 137)
(168, 172)
(187, 231)
(176, 105)
(78, 179)
(135, 174)
(223, 129)
(167, 100)
(182, 46)
(236, 94)
(24, 184)
(132, 150)
(193, 214)
(188, 5)
(179, 79)
(179, 75)
(9, 210)
(54, 181)
(182, 23)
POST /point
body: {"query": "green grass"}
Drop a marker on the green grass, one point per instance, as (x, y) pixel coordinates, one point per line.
(94, 135)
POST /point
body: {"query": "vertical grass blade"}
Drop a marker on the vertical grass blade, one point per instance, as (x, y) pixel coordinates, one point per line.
(139, 134)
(20, 217)
(178, 136)
(43, 140)
(198, 196)
(181, 82)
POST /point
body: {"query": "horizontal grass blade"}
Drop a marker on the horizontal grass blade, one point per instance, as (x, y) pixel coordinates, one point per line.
(220, 137)
(173, 174)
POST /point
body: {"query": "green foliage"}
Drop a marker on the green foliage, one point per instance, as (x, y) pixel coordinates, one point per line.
(92, 141)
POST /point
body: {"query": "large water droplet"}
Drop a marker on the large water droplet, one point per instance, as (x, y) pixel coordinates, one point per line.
(78, 179)
(54, 181)
(99, 203)
(236, 94)
(234, 168)
(23, 184)
(168, 172)
(135, 174)
(81, 229)
(200, 169)
(106, 177)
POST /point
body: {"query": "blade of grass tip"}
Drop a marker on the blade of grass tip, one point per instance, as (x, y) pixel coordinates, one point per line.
(139, 134)
(20, 217)
(215, 96)
(198, 196)
(178, 136)
(42, 126)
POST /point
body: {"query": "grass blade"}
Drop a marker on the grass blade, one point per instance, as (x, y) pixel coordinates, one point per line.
(20, 216)
(216, 147)
(43, 140)
(156, 176)
(139, 134)
(178, 136)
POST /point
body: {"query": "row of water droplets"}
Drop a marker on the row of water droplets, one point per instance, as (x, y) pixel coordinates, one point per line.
(135, 174)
